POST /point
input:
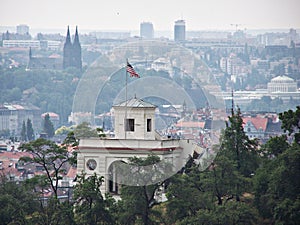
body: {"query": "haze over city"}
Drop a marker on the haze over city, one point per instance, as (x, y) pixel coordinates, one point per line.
(127, 15)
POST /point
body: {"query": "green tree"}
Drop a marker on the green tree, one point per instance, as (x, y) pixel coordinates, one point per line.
(91, 207)
(85, 130)
(187, 195)
(54, 160)
(236, 145)
(277, 186)
(137, 202)
(63, 130)
(48, 126)
(238, 213)
(29, 130)
(209, 196)
(275, 146)
(23, 132)
(17, 203)
(223, 192)
(50, 211)
(291, 123)
(277, 181)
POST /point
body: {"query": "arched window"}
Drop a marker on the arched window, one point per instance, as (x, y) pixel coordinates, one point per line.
(114, 177)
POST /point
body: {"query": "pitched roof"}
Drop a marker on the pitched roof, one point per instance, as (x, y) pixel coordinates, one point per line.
(258, 122)
(135, 103)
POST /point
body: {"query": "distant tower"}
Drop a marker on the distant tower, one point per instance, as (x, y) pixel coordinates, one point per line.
(179, 30)
(146, 30)
(22, 29)
(72, 52)
(67, 58)
(77, 62)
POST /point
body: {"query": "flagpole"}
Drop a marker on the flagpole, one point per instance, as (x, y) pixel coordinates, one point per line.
(125, 122)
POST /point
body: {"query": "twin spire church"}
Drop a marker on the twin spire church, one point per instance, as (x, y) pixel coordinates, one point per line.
(72, 51)
(71, 55)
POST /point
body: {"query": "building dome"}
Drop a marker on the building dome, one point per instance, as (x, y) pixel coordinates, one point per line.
(282, 79)
(282, 84)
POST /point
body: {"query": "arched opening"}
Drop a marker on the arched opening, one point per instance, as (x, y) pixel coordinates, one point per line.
(114, 177)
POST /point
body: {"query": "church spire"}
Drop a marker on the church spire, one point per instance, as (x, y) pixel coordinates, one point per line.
(76, 52)
(68, 51)
(68, 38)
(76, 38)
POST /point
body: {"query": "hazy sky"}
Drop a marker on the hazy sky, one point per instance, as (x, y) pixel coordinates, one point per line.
(128, 14)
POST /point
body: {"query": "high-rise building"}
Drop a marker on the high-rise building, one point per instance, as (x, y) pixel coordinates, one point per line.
(179, 30)
(146, 30)
(72, 52)
(22, 29)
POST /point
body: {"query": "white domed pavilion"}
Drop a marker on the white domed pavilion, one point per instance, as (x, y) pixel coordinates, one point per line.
(282, 84)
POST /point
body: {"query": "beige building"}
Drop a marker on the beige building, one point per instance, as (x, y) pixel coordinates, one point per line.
(135, 135)
(12, 117)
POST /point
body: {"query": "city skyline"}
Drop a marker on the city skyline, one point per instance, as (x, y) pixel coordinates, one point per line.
(127, 15)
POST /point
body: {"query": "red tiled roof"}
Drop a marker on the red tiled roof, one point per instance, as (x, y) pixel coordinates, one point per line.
(258, 122)
(72, 172)
(190, 124)
(13, 155)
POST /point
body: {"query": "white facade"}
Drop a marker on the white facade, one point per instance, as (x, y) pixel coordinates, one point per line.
(21, 43)
(8, 120)
(12, 117)
(282, 84)
(101, 156)
(140, 114)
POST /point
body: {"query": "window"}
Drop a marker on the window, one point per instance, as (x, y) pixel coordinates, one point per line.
(148, 125)
(91, 164)
(129, 125)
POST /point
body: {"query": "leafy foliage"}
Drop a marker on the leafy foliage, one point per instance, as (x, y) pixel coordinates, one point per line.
(277, 182)
(29, 130)
(137, 202)
(48, 126)
(91, 207)
(51, 157)
(17, 203)
(34, 86)
(291, 122)
(277, 188)
(236, 145)
(84, 130)
(23, 132)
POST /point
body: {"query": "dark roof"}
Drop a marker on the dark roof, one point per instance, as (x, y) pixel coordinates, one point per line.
(274, 127)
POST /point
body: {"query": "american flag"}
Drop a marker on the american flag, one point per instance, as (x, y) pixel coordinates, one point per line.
(130, 70)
